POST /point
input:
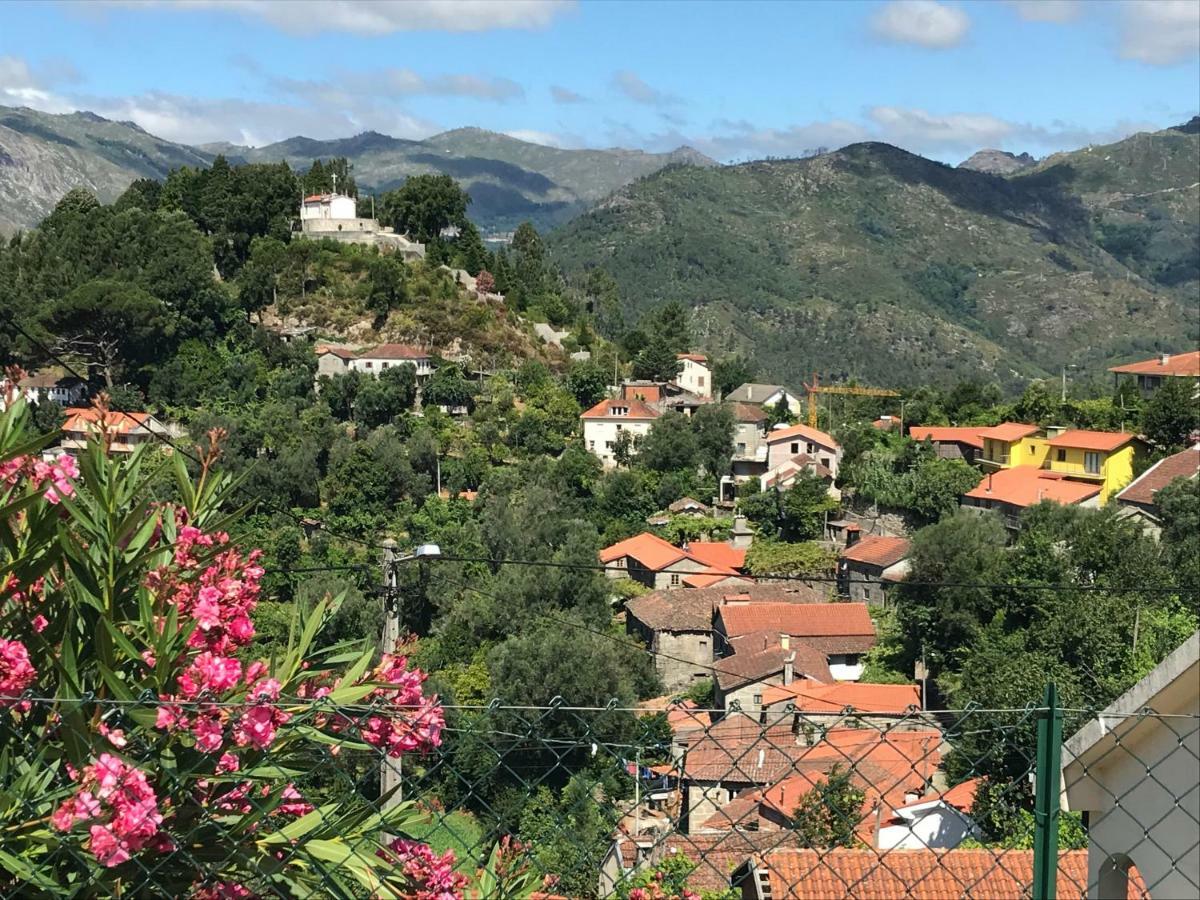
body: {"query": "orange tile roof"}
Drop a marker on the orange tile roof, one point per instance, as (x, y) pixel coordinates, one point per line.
(692, 610)
(985, 874)
(814, 697)
(1008, 431)
(945, 434)
(1185, 464)
(637, 409)
(1079, 439)
(694, 357)
(878, 550)
(1025, 485)
(710, 578)
(760, 655)
(648, 549)
(88, 419)
(802, 431)
(800, 620)
(1179, 365)
(717, 554)
(394, 351)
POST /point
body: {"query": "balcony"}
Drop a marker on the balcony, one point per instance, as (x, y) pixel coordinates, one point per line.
(995, 461)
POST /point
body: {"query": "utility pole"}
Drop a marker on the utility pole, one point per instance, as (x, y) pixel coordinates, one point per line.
(390, 772)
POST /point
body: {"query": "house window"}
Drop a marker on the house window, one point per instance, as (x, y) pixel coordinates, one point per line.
(758, 699)
(700, 381)
(741, 448)
(1062, 455)
(704, 643)
(608, 445)
(674, 579)
(368, 365)
(620, 562)
(591, 445)
(795, 447)
(1091, 463)
(811, 447)
(825, 461)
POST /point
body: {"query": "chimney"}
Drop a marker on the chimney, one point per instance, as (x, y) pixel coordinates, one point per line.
(1164, 359)
(789, 667)
(853, 533)
(785, 641)
(750, 392)
(742, 535)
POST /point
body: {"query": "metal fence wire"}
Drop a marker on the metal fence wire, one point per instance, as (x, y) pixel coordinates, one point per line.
(647, 803)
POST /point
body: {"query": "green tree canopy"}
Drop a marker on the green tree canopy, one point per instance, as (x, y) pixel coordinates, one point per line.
(425, 205)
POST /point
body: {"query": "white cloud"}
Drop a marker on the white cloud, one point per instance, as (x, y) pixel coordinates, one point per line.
(1160, 32)
(1047, 10)
(374, 17)
(565, 95)
(533, 136)
(407, 83)
(921, 22)
(20, 85)
(918, 128)
(632, 86)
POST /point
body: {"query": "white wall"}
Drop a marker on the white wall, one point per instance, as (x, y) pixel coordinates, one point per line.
(371, 365)
(940, 828)
(600, 435)
(845, 667)
(695, 377)
(782, 451)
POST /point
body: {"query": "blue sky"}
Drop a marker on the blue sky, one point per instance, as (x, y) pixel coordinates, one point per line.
(736, 80)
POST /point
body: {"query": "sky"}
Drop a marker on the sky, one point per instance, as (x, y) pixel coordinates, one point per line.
(739, 80)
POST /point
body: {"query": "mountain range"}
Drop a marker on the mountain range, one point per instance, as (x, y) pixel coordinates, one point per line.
(42, 156)
(873, 263)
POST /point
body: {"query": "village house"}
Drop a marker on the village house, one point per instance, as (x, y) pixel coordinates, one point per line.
(605, 422)
(676, 625)
(1012, 444)
(869, 566)
(695, 376)
(648, 559)
(1009, 491)
(1138, 500)
(1134, 778)
(767, 396)
(749, 441)
(948, 442)
(716, 856)
(807, 700)
(126, 431)
(759, 661)
(801, 874)
(1151, 374)
(1105, 457)
(338, 360)
(940, 820)
(800, 448)
(47, 386)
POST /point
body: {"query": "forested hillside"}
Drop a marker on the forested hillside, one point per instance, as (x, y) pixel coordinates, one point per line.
(871, 262)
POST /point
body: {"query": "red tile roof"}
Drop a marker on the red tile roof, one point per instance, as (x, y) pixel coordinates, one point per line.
(748, 412)
(760, 655)
(813, 697)
(648, 549)
(944, 434)
(800, 620)
(985, 874)
(712, 577)
(1181, 364)
(1008, 431)
(802, 431)
(716, 855)
(694, 357)
(878, 550)
(394, 351)
(1078, 439)
(340, 352)
(790, 468)
(717, 554)
(1025, 485)
(1185, 464)
(636, 409)
(692, 610)
(88, 419)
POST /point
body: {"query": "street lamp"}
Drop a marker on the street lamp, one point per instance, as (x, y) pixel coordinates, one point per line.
(389, 769)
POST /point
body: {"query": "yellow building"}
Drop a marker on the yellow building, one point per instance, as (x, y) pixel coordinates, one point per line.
(1012, 444)
(1104, 457)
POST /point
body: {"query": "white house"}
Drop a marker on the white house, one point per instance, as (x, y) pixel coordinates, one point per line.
(695, 376)
(335, 360)
(765, 395)
(605, 422)
(335, 217)
(939, 821)
(328, 206)
(39, 387)
(1134, 771)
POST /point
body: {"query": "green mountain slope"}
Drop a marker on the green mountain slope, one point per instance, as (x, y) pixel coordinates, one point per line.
(509, 180)
(43, 156)
(871, 262)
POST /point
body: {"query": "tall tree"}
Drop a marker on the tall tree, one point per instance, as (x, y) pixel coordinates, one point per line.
(425, 205)
(714, 427)
(1172, 415)
(731, 372)
(657, 361)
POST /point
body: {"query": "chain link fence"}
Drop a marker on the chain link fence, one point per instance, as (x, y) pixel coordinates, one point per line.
(666, 800)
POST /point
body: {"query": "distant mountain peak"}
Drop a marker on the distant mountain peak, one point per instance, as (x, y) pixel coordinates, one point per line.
(997, 162)
(1192, 126)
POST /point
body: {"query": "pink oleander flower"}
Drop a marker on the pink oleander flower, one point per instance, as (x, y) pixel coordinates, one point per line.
(120, 806)
(403, 719)
(115, 736)
(430, 877)
(223, 890)
(39, 623)
(228, 763)
(257, 726)
(16, 671)
(294, 804)
(210, 674)
(209, 731)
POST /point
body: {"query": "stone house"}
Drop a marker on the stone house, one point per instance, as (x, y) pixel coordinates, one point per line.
(840, 631)
(1132, 772)
(749, 441)
(759, 661)
(648, 559)
(1006, 492)
(869, 566)
(1138, 498)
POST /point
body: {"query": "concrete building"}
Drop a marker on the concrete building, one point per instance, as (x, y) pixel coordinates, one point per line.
(338, 360)
(766, 395)
(695, 376)
(869, 566)
(1134, 774)
(749, 441)
(1151, 374)
(606, 422)
(1139, 498)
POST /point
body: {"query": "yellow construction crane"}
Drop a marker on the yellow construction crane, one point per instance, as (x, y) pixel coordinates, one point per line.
(853, 390)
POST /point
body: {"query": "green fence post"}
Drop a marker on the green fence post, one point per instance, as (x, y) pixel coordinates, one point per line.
(1046, 799)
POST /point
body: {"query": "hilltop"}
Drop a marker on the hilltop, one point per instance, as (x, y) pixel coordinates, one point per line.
(42, 156)
(875, 263)
(997, 162)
